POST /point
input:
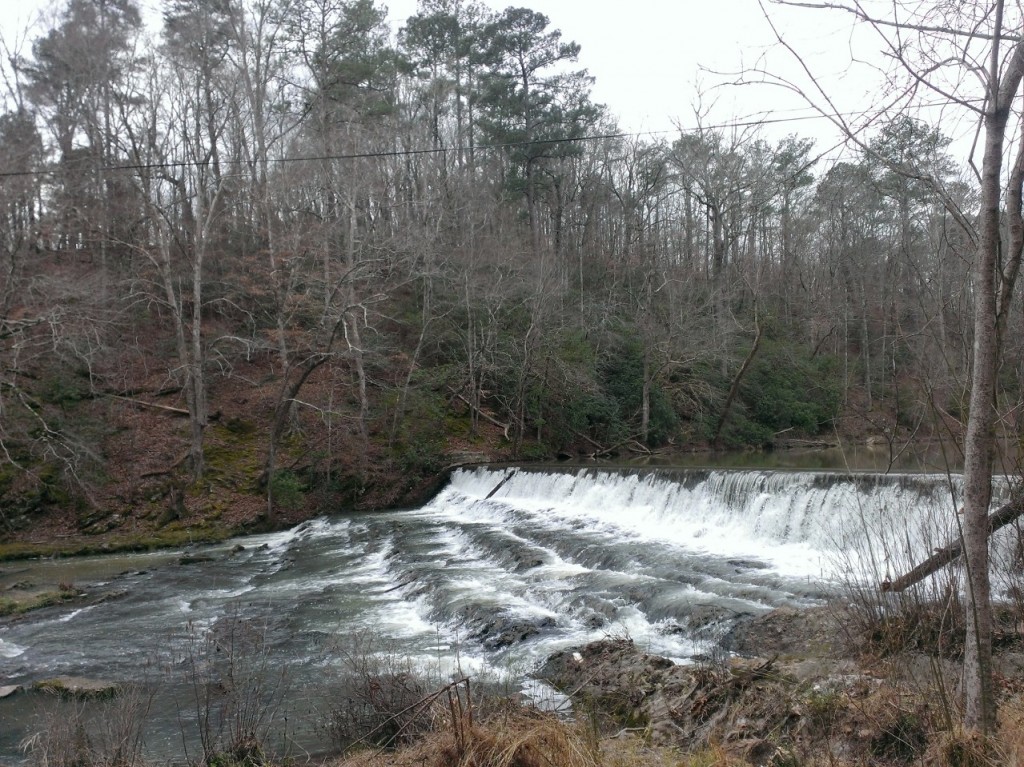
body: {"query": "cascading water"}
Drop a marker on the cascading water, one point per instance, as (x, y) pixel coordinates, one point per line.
(501, 568)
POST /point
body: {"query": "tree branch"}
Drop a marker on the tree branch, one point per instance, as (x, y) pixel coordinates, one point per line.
(1001, 517)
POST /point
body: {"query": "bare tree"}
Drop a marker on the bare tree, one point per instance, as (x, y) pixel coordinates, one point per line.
(971, 57)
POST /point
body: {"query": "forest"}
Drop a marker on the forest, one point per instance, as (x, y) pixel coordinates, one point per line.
(273, 255)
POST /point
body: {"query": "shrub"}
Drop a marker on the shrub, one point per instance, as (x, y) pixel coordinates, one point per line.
(287, 490)
(95, 733)
(785, 388)
(237, 692)
(622, 380)
(373, 695)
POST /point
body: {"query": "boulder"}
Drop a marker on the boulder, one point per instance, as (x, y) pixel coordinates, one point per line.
(78, 687)
(506, 630)
(787, 632)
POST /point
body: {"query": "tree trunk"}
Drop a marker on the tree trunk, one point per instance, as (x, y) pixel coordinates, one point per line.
(979, 700)
(282, 411)
(1000, 518)
(197, 377)
(734, 389)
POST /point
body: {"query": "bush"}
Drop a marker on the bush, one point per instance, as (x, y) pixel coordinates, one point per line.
(374, 696)
(622, 380)
(785, 388)
(108, 733)
(238, 692)
(420, 437)
(287, 490)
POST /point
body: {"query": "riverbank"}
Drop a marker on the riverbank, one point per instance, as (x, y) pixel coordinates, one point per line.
(794, 691)
(553, 557)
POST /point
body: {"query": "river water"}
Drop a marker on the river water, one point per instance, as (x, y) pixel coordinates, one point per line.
(503, 567)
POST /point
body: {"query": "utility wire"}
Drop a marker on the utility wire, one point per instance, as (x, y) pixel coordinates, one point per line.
(743, 123)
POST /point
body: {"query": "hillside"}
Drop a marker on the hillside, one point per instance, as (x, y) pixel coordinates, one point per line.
(252, 271)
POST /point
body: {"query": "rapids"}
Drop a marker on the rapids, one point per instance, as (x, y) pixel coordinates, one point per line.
(503, 567)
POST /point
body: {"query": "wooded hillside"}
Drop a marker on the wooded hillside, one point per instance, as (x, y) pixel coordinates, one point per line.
(278, 253)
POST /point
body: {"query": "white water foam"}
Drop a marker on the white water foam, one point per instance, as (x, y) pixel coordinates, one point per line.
(10, 650)
(74, 614)
(794, 521)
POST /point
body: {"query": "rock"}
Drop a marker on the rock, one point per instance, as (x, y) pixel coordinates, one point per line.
(757, 750)
(708, 620)
(108, 596)
(193, 559)
(526, 561)
(506, 630)
(787, 631)
(772, 708)
(78, 687)
(9, 690)
(613, 673)
(830, 674)
(747, 564)
(467, 457)
(683, 706)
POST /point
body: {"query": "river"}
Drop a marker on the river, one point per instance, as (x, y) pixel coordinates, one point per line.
(501, 568)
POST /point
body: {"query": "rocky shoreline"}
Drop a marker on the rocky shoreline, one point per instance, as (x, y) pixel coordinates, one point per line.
(791, 688)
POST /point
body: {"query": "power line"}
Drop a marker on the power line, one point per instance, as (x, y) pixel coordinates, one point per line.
(749, 122)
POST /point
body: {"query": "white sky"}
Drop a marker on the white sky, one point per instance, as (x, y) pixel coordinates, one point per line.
(651, 58)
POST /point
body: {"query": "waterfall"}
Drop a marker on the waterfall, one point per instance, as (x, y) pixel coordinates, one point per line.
(799, 520)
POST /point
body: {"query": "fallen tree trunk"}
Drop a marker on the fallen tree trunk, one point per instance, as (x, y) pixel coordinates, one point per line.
(1001, 517)
(735, 388)
(143, 403)
(489, 418)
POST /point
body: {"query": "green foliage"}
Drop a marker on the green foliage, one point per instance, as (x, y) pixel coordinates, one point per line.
(622, 379)
(64, 388)
(287, 489)
(739, 431)
(534, 451)
(524, 104)
(423, 457)
(420, 440)
(240, 427)
(28, 490)
(786, 389)
(595, 414)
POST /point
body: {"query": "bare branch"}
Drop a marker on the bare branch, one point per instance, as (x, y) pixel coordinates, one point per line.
(861, 14)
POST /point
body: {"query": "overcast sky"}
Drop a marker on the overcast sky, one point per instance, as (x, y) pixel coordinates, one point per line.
(652, 59)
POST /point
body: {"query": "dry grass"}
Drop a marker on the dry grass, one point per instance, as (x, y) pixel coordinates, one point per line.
(524, 737)
(1010, 740)
(518, 737)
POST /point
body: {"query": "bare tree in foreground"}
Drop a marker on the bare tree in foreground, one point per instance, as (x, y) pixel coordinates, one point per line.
(970, 57)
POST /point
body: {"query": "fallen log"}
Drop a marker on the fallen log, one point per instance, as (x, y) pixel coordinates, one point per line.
(613, 448)
(143, 403)
(584, 437)
(489, 418)
(1001, 517)
(163, 472)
